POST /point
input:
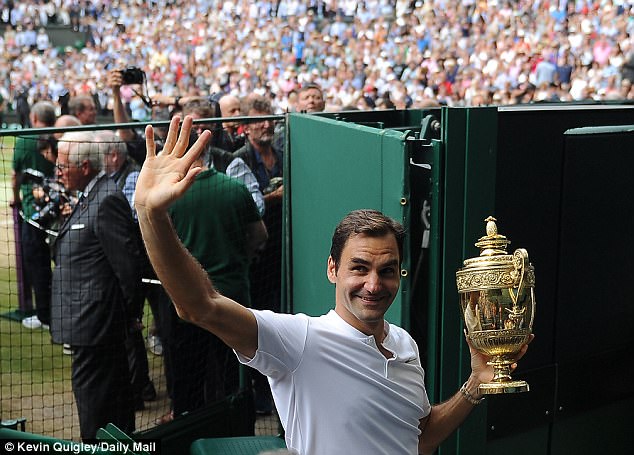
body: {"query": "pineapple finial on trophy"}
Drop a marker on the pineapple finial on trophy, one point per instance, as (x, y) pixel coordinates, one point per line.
(493, 243)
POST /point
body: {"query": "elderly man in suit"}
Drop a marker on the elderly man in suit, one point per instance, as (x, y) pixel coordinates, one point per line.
(95, 284)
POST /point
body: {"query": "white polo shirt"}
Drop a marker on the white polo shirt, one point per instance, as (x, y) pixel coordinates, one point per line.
(334, 390)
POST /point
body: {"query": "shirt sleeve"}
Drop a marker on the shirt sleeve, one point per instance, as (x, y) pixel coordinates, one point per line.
(239, 170)
(128, 189)
(281, 342)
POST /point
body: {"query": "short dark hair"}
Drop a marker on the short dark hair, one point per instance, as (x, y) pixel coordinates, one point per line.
(45, 141)
(202, 107)
(367, 222)
(310, 85)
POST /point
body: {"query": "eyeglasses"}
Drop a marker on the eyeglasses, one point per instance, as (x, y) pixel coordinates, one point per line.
(63, 167)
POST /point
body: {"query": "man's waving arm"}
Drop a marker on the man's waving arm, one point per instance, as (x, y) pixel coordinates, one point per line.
(164, 179)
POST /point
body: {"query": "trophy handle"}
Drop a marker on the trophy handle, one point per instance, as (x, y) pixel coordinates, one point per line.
(520, 262)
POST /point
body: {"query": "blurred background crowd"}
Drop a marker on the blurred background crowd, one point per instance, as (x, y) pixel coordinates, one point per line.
(364, 54)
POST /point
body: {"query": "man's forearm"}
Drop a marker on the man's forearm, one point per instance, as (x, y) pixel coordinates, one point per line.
(181, 275)
(121, 116)
(191, 290)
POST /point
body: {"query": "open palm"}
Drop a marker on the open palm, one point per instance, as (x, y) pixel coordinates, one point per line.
(166, 177)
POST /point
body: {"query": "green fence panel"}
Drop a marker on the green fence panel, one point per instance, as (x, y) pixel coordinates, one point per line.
(465, 195)
(336, 167)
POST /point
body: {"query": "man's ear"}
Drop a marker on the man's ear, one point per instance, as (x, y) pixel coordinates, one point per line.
(86, 167)
(331, 270)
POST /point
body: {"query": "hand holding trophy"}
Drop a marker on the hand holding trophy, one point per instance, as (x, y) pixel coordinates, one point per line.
(497, 300)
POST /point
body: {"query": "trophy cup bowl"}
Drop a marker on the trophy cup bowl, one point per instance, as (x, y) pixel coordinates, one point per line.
(497, 302)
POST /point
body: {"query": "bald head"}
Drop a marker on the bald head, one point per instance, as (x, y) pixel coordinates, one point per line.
(64, 121)
(229, 107)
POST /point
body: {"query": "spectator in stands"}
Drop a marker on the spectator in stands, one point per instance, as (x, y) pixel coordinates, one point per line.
(153, 293)
(64, 121)
(35, 249)
(202, 368)
(203, 108)
(381, 42)
(22, 108)
(375, 410)
(95, 286)
(233, 137)
(222, 160)
(119, 167)
(3, 109)
(83, 107)
(310, 99)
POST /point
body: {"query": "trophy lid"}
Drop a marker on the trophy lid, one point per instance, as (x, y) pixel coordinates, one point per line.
(494, 267)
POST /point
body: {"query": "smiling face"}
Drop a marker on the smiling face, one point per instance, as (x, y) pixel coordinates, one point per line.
(366, 281)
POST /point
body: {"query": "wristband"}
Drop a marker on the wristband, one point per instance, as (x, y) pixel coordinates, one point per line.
(470, 398)
(177, 101)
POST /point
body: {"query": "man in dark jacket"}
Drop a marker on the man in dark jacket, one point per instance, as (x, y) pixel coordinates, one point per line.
(95, 283)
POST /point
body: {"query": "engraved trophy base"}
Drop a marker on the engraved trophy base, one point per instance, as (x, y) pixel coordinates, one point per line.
(492, 388)
(502, 346)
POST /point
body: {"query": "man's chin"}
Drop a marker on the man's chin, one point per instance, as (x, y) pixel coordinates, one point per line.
(371, 310)
(265, 142)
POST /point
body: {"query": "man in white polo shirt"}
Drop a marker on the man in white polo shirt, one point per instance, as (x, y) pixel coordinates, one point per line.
(345, 382)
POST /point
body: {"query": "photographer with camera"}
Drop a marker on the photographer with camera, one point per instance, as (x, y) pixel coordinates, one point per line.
(135, 144)
(115, 81)
(35, 250)
(134, 140)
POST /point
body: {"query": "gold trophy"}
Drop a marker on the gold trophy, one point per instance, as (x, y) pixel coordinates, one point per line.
(497, 300)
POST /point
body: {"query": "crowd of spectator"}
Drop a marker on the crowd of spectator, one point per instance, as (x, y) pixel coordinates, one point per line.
(364, 54)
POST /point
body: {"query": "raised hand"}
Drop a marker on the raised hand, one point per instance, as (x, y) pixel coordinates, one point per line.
(166, 177)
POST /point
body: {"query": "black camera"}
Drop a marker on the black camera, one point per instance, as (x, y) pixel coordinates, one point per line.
(50, 195)
(273, 185)
(132, 75)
